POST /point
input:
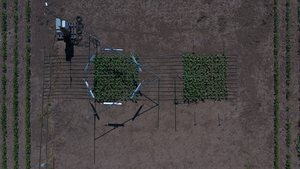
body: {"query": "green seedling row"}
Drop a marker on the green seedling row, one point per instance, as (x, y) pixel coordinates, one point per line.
(27, 94)
(3, 87)
(15, 101)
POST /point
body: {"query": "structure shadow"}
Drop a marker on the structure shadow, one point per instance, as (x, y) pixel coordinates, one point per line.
(131, 119)
(69, 48)
(141, 94)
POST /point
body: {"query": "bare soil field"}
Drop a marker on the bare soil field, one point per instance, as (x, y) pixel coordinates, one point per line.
(233, 133)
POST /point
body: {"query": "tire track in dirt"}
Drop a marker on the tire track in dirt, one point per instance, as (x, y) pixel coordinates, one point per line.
(21, 81)
(282, 82)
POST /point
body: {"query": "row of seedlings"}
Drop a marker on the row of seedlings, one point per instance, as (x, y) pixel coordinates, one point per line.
(298, 139)
(15, 89)
(27, 82)
(205, 77)
(288, 81)
(3, 86)
(114, 77)
(276, 86)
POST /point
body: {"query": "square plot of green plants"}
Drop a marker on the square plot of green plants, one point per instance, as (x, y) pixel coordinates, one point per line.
(114, 77)
(205, 77)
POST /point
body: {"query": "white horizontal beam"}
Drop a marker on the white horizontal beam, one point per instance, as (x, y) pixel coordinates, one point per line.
(110, 103)
(114, 50)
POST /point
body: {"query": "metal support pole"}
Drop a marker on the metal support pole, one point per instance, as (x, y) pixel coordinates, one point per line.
(51, 12)
(193, 46)
(223, 47)
(42, 107)
(175, 100)
(219, 119)
(70, 73)
(87, 115)
(194, 118)
(94, 138)
(48, 107)
(158, 106)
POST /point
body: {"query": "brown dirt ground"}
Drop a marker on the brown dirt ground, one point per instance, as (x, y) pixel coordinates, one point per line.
(245, 137)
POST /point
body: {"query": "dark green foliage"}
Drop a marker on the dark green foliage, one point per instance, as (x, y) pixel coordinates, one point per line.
(288, 68)
(27, 108)
(288, 135)
(124, 81)
(276, 21)
(298, 141)
(276, 45)
(288, 94)
(3, 2)
(288, 108)
(299, 44)
(288, 164)
(15, 5)
(288, 44)
(3, 87)
(288, 3)
(298, 9)
(27, 35)
(15, 15)
(276, 76)
(27, 11)
(15, 101)
(288, 41)
(212, 83)
(3, 22)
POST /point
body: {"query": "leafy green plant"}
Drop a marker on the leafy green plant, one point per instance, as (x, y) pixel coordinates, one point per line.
(288, 164)
(122, 83)
(288, 94)
(27, 108)
(15, 93)
(3, 87)
(205, 77)
(288, 135)
(288, 108)
(27, 11)
(3, 2)
(27, 34)
(15, 5)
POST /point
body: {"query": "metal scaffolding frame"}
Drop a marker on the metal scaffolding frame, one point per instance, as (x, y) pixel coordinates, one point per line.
(158, 79)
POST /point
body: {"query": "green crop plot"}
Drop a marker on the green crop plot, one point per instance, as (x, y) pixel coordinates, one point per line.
(212, 83)
(124, 79)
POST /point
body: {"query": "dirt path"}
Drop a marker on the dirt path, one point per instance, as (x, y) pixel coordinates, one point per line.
(21, 80)
(294, 86)
(282, 85)
(9, 77)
